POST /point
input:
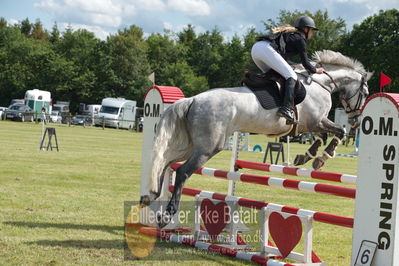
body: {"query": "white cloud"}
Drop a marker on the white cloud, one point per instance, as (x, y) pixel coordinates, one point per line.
(151, 5)
(94, 6)
(12, 21)
(97, 12)
(190, 7)
(167, 25)
(354, 1)
(48, 5)
(104, 19)
(376, 5)
(129, 10)
(373, 4)
(227, 15)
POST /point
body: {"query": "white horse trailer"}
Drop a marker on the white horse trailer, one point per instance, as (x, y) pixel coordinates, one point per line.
(37, 99)
(117, 112)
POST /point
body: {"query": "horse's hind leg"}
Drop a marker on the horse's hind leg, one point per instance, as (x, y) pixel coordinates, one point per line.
(196, 160)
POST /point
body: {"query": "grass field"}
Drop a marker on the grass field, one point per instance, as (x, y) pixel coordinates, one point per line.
(67, 207)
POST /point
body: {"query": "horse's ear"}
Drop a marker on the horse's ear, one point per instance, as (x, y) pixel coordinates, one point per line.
(369, 75)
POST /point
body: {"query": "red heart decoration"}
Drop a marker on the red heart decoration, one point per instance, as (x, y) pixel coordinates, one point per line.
(214, 216)
(286, 233)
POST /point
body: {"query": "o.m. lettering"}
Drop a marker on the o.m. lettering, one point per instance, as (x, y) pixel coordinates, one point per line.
(155, 110)
(367, 125)
(385, 127)
(147, 110)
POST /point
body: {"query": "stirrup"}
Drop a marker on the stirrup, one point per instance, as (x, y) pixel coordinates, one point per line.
(291, 121)
(288, 115)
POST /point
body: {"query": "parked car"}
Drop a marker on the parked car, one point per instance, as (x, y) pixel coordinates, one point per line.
(63, 108)
(20, 112)
(2, 109)
(79, 120)
(17, 101)
(55, 117)
(301, 138)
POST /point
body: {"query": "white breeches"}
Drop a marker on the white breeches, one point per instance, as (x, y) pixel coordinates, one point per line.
(265, 57)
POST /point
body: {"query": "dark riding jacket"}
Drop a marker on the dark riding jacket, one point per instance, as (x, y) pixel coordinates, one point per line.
(288, 44)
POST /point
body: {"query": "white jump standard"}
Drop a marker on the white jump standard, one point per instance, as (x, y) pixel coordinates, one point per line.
(376, 223)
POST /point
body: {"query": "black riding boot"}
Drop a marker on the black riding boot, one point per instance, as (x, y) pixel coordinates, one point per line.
(287, 110)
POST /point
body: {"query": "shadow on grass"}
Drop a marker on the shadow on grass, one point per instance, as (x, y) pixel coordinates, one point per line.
(162, 248)
(161, 252)
(105, 228)
(96, 244)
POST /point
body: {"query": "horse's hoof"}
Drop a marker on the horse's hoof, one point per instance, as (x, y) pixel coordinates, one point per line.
(317, 163)
(145, 200)
(300, 159)
(163, 219)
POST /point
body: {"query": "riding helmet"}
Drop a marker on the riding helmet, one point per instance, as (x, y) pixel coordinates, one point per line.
(305, 21)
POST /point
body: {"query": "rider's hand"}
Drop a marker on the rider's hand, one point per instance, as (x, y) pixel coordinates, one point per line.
(320, 70)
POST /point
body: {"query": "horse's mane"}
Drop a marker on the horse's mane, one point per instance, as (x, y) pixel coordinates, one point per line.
(336, 58)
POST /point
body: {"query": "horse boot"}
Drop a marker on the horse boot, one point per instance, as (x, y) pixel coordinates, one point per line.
(287, 110)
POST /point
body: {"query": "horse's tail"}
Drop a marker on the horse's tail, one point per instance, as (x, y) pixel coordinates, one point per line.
(171, 143)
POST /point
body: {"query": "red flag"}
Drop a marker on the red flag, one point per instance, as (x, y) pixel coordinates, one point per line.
(384, 80)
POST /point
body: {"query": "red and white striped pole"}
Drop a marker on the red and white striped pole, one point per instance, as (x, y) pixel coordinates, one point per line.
(342, 178)
(256, 204)
(276, 182)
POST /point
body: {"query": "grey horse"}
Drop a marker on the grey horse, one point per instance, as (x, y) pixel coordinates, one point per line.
(195, 129)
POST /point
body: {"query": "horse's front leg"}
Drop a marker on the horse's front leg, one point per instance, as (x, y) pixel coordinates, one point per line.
(329, 152)
(311, 153)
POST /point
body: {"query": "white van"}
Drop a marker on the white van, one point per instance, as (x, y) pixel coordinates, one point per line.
(117, 112)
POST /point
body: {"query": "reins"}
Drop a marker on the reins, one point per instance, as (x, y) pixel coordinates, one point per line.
(332, 80)
(345, 103)
(321, 85)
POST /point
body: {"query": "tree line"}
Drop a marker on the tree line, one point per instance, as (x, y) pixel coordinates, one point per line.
(76, 66)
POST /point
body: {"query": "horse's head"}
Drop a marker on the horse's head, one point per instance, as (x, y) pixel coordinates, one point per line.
(353, 94)
(349, 78)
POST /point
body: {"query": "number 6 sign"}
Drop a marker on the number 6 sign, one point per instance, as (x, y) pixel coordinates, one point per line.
(366, 253)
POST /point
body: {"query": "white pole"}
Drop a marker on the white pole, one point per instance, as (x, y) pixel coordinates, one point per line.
(234, 155)
(42, 138)
(288, 151)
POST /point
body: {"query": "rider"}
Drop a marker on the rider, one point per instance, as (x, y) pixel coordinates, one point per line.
(272, 51)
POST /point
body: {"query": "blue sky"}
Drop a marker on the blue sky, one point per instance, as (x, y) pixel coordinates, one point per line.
(104, 17)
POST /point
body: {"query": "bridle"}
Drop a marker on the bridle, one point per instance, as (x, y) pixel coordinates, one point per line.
(345, 101)
(360, 94)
